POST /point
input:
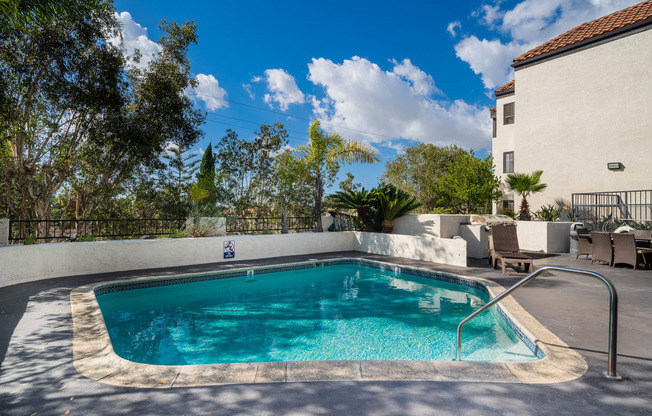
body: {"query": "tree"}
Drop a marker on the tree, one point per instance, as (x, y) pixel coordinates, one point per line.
(205, 191)
(19, 13)
(377, 209)
(177, 179)
(469, 186)
(348, 184)
(323, 156)
(525, 185)
(79, 116)
(246, 168)
(394, 203)
(363, 202)
(418, 168)
(292, 189)
(60, 81)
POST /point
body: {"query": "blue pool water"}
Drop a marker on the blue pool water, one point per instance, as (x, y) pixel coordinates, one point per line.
(339, 312)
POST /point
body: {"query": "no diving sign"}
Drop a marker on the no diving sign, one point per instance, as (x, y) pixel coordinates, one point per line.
(229, 249)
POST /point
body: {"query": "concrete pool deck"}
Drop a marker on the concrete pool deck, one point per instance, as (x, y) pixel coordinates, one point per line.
(37, 373)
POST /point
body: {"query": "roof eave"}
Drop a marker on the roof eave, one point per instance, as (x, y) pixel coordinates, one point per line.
(585, 44)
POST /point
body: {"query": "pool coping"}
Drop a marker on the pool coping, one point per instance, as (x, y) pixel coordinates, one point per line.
(94, 357)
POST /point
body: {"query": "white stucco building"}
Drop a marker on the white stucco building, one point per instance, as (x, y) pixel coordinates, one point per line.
(580, 110)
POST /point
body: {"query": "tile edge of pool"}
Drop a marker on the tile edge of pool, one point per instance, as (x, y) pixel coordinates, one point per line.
(94, 357)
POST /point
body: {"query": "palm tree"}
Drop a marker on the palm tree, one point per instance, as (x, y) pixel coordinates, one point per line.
(525, 184)
(324, 155)
(363, 202)
(394, 203)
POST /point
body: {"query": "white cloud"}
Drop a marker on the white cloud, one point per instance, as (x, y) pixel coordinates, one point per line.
(248, 89)
(452, 27)
(282, 88)
(525, 26)
(209, 91)
(134, 36)
(422, 83)
(361, 96)
(489, 58)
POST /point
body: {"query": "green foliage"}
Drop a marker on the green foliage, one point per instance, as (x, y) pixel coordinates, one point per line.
(363, 202)
(205, 192)
(441, 210)
(29, 240)
(525, 185)
(246, 169)
(608, 224)
(377, 209)
(394, 203)
(292, 186)
(176, 181)
(82, 122)
(179, 234)
(469, 186)
(348, 184)
(322, 158)
(507, 211)
(418, 168)
(548, 213)
(85, 238)
(20, 13)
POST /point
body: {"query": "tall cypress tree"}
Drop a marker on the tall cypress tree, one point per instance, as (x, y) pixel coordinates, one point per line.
(206, 178)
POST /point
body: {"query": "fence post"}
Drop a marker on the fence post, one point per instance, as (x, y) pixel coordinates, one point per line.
(4, 232)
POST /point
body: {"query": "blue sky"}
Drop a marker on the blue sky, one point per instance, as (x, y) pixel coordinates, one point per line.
(390, 74)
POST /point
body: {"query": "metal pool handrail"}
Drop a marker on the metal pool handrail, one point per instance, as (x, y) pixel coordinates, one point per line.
(613, 312)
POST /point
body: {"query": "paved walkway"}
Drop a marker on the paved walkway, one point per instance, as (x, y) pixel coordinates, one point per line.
(36, 372)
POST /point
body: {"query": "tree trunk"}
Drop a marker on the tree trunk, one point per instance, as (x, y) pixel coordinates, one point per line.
(284, 220)
(319, 189)
(388, 226)
(524, 215)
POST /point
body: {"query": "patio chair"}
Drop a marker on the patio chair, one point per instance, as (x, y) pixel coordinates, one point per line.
(506, 249)
(601, 247)
(626, 252)
(643, 237)
(584, 240)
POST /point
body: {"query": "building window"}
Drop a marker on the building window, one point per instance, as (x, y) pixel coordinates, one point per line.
(508, 204)
(508, 113)
(493, 119)
(508, 162)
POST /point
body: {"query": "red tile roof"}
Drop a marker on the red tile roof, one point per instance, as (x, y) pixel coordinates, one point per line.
(510, 86)
(493, 110)
(618, 20)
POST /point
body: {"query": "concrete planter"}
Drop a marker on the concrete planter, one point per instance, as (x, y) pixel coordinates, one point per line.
(548, 237)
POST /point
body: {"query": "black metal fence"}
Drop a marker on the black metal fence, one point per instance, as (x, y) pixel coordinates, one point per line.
(623, 205)
(72, 229)
(267, 225)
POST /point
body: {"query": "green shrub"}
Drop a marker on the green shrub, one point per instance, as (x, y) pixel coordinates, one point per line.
(179, 234)
(85, 238)
(441, 210)
(30, 239)
(548, 213)
(507, 211)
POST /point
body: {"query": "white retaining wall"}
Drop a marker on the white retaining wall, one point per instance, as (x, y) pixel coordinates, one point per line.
(549, 237)
(19, 264)
(427, 248)
(439, 225)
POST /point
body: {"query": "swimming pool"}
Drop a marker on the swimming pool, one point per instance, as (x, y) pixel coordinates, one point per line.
(336, 311)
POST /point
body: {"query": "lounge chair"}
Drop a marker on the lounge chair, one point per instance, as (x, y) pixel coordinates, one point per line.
(505, 248)
(625, 250)
(601, 247)
(584, 240)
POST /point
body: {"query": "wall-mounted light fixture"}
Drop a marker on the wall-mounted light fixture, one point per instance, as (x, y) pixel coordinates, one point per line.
(615, 166)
